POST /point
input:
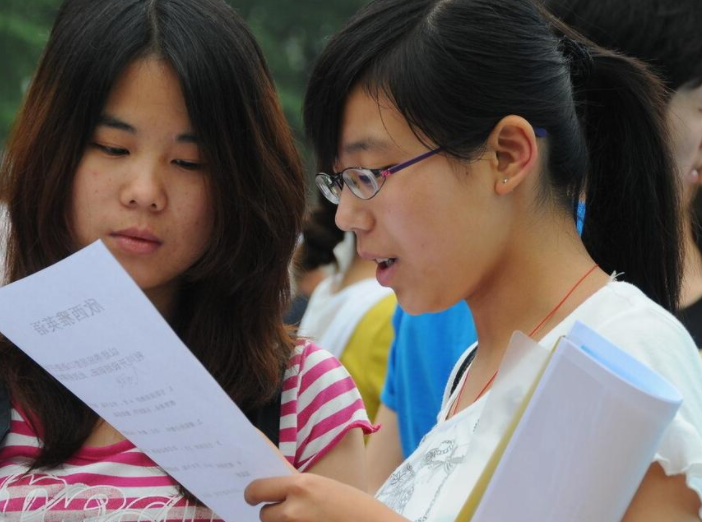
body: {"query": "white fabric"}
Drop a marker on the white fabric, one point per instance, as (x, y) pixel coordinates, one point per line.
(331, 317)
(425, 488)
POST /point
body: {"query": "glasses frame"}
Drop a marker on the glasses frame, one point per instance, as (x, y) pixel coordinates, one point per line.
(325, 182)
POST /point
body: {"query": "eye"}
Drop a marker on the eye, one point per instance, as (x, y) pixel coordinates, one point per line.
(188, 165)
(365, 178)
(110, 151)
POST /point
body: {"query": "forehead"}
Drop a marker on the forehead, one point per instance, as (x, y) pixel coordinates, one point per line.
(373, 125)
(147, 87)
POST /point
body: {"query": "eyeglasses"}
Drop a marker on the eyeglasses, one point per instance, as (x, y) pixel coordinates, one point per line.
(364, 183)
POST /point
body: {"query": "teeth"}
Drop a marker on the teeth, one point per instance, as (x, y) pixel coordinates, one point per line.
(387, 261)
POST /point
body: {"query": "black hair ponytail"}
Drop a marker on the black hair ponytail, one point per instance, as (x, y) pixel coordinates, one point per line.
(319, 237)
(632, 220)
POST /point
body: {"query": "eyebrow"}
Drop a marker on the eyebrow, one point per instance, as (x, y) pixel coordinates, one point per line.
(107, 120)
(365, 144)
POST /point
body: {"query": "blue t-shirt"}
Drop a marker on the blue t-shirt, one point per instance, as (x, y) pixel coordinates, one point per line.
(425, 349)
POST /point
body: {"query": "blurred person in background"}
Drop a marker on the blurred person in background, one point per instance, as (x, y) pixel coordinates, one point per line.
(349, 313)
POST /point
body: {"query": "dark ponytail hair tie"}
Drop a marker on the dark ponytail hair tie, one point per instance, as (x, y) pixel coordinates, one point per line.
(579, 59)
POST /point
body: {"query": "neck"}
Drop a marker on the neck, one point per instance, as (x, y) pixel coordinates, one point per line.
(542, 263)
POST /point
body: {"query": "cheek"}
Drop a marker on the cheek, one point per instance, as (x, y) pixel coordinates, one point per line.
(83, 199)
(198, 216)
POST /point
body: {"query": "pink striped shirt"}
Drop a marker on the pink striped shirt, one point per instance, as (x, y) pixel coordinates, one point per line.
(119, 483)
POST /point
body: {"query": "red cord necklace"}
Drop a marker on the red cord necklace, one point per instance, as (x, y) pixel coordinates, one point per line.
(536, 329)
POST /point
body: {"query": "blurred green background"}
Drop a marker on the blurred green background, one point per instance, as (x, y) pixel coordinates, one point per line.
(291, 33)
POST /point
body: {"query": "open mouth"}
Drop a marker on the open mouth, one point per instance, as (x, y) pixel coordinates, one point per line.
(386, 262)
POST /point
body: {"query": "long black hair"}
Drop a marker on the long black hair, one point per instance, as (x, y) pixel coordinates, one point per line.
(455, 68)
(231, 302)
(320, 236)
(665, 34)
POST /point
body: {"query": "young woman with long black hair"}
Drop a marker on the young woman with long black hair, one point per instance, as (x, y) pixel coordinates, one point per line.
(458, 137)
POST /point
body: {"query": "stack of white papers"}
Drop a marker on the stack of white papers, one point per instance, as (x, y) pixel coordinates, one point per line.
(584, 442)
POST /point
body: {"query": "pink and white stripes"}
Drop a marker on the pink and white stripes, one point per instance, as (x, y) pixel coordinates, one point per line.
(119, 483)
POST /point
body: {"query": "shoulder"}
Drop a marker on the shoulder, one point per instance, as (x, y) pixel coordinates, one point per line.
(314, 377)
(633, 321)
(320, 403)
(625, 316)
(308, 357)
(375, 327)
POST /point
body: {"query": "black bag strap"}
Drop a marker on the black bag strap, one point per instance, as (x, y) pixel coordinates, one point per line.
(4, 411)
(267, 418)
(462, 370)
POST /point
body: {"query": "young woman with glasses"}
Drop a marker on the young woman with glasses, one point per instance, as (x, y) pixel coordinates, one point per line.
(457, 137)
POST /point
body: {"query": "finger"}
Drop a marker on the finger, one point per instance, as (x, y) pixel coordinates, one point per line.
(272, 513)
(267, 490)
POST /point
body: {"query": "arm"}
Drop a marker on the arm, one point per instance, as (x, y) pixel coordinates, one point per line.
(346, 462)
(310, 498)
(324, 418)
(384, 451)
(661, 497)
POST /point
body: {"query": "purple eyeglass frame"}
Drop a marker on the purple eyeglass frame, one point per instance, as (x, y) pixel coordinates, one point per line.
(337, 177)
(538, 131)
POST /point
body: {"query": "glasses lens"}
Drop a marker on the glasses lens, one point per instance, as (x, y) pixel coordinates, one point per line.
(328, 188)
(362, 182)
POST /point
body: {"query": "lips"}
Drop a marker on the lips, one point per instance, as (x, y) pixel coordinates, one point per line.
(387, 266)
(136, 241)
(384, 273)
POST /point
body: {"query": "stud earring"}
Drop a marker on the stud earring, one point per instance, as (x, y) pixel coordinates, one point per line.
(504, 181)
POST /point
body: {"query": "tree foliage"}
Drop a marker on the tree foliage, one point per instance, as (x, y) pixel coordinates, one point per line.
(291, 33)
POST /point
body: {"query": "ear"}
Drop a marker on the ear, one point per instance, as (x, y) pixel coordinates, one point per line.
(693, 177)
(516, 154)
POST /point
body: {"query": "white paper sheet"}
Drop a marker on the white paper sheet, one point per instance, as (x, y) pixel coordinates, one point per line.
(523, 361)
(88, 324)
(586, 438)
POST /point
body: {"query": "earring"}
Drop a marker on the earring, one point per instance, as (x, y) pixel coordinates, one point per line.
(504, 181)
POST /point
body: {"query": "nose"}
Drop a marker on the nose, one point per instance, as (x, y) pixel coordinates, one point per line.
(353, 214)
(144, 188)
